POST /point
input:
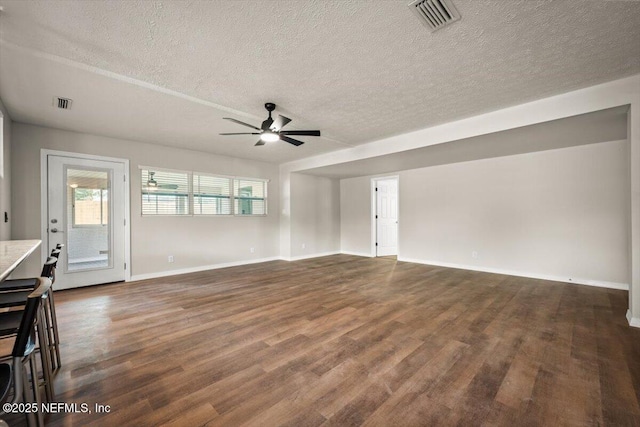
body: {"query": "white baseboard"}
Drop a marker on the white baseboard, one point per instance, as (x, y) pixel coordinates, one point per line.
(633, 321)
(316, 255)
(579, 281)
(200, 268)
(365, 254)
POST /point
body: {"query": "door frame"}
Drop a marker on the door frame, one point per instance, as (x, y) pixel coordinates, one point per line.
(44, 201)
(374, 208)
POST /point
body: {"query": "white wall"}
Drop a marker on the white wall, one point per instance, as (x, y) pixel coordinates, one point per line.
(194, 241)
(633, 314)
(315, 215)
(355, 216)
(560, 214)
(285, 214)
(5, 175)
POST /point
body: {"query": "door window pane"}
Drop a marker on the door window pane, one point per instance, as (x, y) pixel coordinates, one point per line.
(90, 206)
(88, 230)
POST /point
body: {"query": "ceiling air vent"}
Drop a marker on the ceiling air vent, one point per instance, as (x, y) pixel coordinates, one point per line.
(62, 103)
(435, 14)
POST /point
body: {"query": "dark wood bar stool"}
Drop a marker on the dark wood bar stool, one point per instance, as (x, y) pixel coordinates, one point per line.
(9, 321)
(13, 375)
(22, 287)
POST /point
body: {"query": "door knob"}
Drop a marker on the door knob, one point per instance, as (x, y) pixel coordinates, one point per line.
(55, 230)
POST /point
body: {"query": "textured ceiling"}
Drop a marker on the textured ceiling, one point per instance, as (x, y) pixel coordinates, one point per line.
(357, 70)
(107, 106)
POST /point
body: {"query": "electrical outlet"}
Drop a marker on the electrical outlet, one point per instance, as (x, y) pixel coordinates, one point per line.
(170, 258)
(252, 250)
(474, 254)
(304, 245)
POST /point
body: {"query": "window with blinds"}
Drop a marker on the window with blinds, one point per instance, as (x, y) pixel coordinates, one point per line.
(165, 192)
(186, 193)
(211, 195)
(250, 196)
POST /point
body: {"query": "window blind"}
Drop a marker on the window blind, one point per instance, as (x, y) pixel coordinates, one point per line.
(250, 196)
(165, 192)
(211, 195)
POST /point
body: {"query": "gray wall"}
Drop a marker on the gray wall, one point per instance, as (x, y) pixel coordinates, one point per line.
(355, 216)
(5, 176)
(315, 215)
(193, 241)
(559, 213)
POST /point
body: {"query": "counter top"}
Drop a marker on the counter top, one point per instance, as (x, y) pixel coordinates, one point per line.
(13, 252)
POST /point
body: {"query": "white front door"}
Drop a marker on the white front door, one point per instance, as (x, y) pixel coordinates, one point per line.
(86, 212)
(387, 217)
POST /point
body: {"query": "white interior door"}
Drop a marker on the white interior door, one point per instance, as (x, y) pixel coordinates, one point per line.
(387, 217)
(86, 212)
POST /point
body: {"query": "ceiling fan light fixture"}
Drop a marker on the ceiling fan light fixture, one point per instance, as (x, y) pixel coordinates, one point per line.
(269, 137)
(271, 130)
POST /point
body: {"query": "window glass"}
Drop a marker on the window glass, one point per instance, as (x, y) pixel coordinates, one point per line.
(250, 197)
(211, 195)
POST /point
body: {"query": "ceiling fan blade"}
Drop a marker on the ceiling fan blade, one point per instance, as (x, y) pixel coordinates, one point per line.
(260, 142)
(301, 132)
(291, 140)
(241, 123)
(281, 121)
(243, 133)
(267, 124)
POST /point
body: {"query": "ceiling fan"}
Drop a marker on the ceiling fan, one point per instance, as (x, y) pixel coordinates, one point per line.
(271, 130)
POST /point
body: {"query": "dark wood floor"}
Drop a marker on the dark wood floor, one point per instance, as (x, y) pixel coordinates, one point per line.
(343, 340)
